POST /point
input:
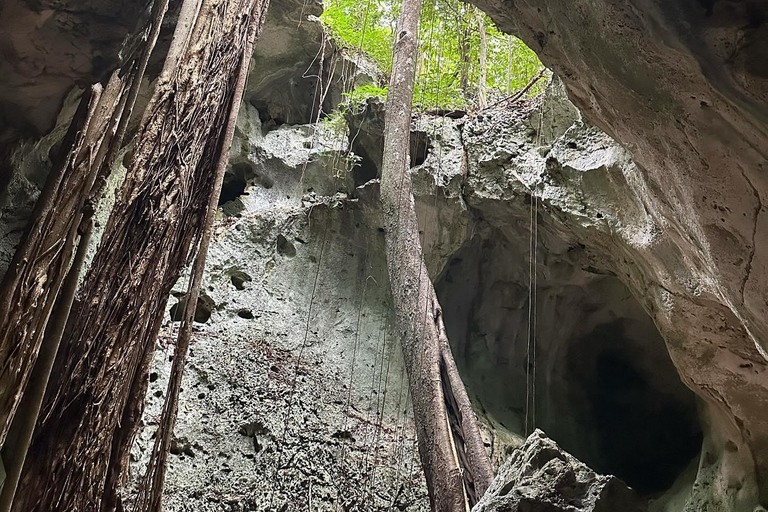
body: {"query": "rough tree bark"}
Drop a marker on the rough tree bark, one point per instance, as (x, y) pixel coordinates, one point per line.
(30, 287)
(89, 410)
(87, 156)
(40, 263)
(151, 493)
(451, 450)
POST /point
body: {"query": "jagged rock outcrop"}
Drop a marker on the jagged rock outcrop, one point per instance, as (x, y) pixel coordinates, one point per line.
(682, 85)
(541, 477)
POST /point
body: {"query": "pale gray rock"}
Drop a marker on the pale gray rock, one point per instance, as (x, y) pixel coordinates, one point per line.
(541, 477)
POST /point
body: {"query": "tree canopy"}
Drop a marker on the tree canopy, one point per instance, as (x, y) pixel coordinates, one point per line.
(449, 47)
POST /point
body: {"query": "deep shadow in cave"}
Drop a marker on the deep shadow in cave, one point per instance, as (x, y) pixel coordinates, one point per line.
(365, 170)
(644, 435)
(606, 389)
(237, 178)
(419, 148)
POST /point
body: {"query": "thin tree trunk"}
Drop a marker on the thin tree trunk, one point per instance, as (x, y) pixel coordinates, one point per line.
(509, 63)
(453, 485)
(481, 86)
(464, 48)
(131, 415)
(151, 493)
(156, 220)
(20, 434)
(30, 285)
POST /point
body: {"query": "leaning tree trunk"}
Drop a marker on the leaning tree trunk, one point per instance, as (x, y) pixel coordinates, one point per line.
(151, 493)
(156, 219)
(45, 278)
(451, 450)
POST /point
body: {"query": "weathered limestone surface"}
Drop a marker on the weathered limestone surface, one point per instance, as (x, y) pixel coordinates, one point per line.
(293, 398)
(651, 250)
(50, 46)
(541, 477)
(683, 86)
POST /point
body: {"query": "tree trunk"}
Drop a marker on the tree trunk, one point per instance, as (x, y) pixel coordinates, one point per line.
(481, 86)
(30, 285)
(156, 219)
(463, 25)
(151, 493)
(66, 208)
(457, 472)
(509, 63)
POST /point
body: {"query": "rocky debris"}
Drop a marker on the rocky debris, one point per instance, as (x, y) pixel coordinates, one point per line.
(541, 477)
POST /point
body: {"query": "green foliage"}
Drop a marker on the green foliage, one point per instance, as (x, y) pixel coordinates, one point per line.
(449, 48)
(363, 92)
(365, 25)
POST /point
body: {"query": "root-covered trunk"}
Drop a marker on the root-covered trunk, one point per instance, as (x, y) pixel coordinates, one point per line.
(95, 398)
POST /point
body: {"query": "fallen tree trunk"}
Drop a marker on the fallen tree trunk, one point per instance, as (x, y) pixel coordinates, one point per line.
(452, 455)
(91, 407)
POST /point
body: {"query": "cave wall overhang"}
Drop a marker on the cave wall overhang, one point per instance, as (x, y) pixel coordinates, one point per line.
(682, 86)
(600, 206)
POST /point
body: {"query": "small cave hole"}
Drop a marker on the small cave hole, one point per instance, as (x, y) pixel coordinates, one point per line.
(365, 170)
(238, 278)
(285, 247)
(235, 182)
(270, 119)
(246, 314)
(203, 310)
(237, 179)
(419, 149)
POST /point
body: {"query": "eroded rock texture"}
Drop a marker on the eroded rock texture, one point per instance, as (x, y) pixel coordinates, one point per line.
(682, 85)
(48, 47)
(289, 58)
(607, 389)
(293, 398)
(541, 477)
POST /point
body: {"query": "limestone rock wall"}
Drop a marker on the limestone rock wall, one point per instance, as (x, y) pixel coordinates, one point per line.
(293, 398)
(682, 86)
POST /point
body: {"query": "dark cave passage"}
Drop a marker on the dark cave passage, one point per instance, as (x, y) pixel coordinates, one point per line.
(643, 434)
(606, 388)
(237, 179)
